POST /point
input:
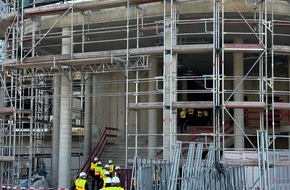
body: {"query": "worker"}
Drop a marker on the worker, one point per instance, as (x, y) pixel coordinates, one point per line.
(108, 184)
(81, 182)
(94, 164)
(199, 113)
(206, 117)
(106, 168)
(104, 179)
(97, 175)
(117, 171)
(111, 167)
(190, 116)
(116, 184)
(183, 121)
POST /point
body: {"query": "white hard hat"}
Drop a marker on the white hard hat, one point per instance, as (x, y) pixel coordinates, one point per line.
(99, 163)
(115, 180)
(83, 174)
(107, 172)
(96, 159)
(107, 166)
(110, 161)
(117, 168)
(108, 180)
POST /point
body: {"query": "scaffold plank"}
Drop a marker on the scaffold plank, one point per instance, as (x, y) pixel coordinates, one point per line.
(193, 104)
(80, 58)
(144, 1)
(177, 105)
(281, 49)
(7, 158)
(244, 48)
(46, 10)
(200, 104)
(242, 104)
(196, 48)
(281, 106)
(79, 6)
(6, 110)
(138, 106)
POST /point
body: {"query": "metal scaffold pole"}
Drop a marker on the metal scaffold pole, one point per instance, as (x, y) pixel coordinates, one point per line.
(216, 77)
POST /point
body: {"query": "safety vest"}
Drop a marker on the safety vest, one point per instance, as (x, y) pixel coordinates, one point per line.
(93, 166)
(190, 111)
(114, 188)
(102, 173)
(111, 169)
(182, 114)
(80, 184)
(98, 170)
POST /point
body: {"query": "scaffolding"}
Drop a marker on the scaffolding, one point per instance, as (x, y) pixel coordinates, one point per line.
(117, 47)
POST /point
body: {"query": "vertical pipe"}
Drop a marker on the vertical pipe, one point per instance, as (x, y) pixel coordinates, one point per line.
(166, 80)
(169, 80)
(273, 94)
(65, 119)
(88, 116)
(32, 116)
(223, 78)
(289, 95)
(173, 72)
(136, 113)
(72, 31)
(127, 83)
(138, 27)
(46, 109)
(165, 156)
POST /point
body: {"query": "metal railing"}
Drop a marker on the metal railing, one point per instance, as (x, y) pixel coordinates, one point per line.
(105, 139)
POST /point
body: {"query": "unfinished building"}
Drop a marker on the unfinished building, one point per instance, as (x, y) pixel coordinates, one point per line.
(109, 78)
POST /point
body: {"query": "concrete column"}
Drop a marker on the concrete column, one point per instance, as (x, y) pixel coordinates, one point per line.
(65, 119)
(88, 116)
(238, 68)
(55, 129)
(152, 113)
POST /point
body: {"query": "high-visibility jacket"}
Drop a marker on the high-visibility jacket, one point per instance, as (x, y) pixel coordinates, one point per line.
(111, 169)
(93, 166)
(182, 114)
(80, 184)
(102, 173)
(114, 188)
(98, 170)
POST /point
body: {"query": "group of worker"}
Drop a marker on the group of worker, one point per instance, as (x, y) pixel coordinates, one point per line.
(197, 117)
(104, 178)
